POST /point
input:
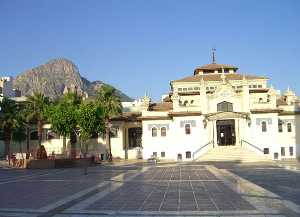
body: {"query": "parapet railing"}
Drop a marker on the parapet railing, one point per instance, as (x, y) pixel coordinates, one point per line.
(254, 146)
(199, 149)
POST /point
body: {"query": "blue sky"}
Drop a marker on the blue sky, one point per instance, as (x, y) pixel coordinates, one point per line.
(139, 45)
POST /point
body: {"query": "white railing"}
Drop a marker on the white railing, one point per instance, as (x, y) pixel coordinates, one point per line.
(201, 148)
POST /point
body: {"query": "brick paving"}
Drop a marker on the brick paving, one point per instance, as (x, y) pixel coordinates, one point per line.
(181, 188)
(139, 189)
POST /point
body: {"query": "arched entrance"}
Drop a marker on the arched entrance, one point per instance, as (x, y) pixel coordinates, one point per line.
(226, 132)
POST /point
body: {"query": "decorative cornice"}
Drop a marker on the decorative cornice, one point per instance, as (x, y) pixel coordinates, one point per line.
(189, 93)
(283, 113)
(262, 111)
(146, 118)
(185, 113)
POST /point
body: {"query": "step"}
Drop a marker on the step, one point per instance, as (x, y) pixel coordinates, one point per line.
(232, 153)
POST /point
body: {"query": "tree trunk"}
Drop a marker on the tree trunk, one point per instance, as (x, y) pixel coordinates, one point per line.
(107, 140)
(40, 131)
(73, 141)
(64, 146)
(7, 139)
(27, 142)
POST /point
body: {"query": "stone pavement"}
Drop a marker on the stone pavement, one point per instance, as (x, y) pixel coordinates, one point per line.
(137, 190)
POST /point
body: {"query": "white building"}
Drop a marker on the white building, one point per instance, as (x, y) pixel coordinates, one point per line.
(217, 106)
(6, 87)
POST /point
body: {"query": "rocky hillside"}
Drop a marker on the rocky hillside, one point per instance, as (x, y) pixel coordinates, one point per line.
(54, 77)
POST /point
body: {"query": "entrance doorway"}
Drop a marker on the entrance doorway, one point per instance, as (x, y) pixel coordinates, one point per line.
(226, 132)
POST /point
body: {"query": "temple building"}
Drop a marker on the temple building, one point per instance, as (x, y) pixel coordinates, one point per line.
(214, 110)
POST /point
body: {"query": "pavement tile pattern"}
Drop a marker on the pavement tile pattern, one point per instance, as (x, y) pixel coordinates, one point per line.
(46, 186)
(285, 183)
(175, 188)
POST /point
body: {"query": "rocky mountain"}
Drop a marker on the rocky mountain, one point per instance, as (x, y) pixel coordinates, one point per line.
(55, 77)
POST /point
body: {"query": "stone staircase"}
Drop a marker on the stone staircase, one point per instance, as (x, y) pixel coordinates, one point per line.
(232, 153)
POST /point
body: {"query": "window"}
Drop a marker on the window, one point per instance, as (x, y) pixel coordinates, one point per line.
(154, 154)
(263, 126)
(266, 151)
(196, 88)
(94, 135)
(187, 129)
(212, 88)
(190, 88)
(34, 135)
(192, 101)
(291, 149)
(163, 131)
(255, 86)
(51, 135)
(179, 157)
(114, 132)
(184, 89)
(185, 102)
(289, 127)
(259, 86)
(163, 154)
(135, 137)
(225, 107)
(179, 89)
(282, 151)
(154, 132)
(188, 155)
(260, 100)
(279, 126)
(207, 88)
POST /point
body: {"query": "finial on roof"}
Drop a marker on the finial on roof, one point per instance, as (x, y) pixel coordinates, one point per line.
(213, 53)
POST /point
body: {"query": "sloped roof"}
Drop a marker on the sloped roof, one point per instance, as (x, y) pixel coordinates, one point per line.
(127, 116)
(217, 77)
(215, 66)
(164, 106)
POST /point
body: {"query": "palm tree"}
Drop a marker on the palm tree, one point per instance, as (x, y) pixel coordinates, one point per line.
(9, 121)
(111, 104)
(36, 111)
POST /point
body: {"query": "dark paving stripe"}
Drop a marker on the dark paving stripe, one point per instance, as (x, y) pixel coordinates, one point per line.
(69, 204)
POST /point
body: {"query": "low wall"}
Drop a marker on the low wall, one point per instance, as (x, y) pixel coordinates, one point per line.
(40, 164)
(58, 163)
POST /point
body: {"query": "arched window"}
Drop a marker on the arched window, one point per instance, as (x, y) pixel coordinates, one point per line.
(154, 132)
(163, 131)
(224, 107)
(188, 154)
(187, 129)
(263, 126)
(289, 127)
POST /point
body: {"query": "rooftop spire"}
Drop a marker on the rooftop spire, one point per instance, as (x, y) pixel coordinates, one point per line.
(213, 55)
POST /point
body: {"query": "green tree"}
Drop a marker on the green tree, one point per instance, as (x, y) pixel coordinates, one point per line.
(90, 120)
(36, 109)
(9, 121)
(111, 104)
(62, 117)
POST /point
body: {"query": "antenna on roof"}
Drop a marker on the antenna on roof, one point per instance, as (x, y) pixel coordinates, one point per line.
(213, 54)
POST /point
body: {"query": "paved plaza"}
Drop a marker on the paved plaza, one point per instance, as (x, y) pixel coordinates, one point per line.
(190, 189)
